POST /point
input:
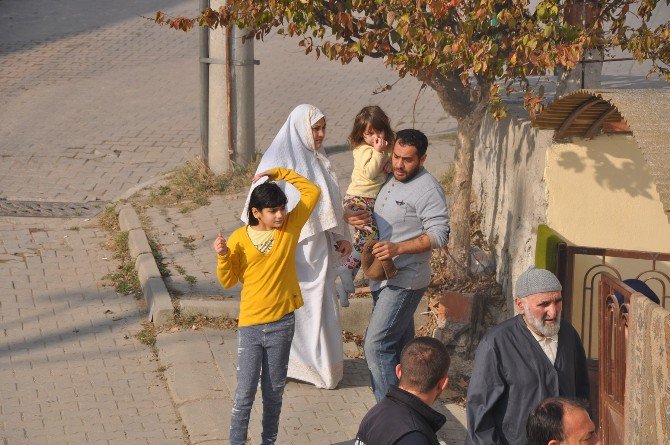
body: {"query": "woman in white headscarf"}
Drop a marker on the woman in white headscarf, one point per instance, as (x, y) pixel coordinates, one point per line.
(316, 351)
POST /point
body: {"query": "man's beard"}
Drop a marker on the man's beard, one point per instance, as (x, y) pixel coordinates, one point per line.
(546, 330)
(409, 174)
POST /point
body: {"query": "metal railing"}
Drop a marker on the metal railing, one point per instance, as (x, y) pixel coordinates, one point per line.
(589, 288)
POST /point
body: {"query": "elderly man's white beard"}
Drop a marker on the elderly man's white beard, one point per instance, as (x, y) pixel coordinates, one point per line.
(546, 330)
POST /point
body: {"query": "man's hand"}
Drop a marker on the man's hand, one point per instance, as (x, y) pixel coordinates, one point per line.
(344, 247)
(385, 250)
(360, 219)
(220, 246)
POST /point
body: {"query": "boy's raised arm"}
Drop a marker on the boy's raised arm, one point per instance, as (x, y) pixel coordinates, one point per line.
(309, 193)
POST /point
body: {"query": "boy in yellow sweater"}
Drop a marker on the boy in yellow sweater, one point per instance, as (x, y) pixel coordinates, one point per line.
(261, 256)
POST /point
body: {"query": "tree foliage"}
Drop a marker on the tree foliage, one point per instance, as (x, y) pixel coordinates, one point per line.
(479, 43)
(471, 52)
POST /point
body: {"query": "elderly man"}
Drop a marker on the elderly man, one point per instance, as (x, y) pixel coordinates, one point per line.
(411, 214)
(523, 361)
(561, 421)
(404, 416)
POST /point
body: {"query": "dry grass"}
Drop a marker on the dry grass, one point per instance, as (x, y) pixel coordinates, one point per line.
(447, 179)
(191, 185)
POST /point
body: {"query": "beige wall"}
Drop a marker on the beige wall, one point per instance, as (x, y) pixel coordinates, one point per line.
(600, 194)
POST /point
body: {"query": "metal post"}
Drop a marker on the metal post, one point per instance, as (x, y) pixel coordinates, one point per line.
(203, 41)
(242, 77)
(218, 116)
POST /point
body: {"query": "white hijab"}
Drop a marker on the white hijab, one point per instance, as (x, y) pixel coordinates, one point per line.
(293, 148)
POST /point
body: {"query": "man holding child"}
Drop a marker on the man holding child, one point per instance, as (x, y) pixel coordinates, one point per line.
(411, 214)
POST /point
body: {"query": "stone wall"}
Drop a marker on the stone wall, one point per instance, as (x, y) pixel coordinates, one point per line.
(509, 190)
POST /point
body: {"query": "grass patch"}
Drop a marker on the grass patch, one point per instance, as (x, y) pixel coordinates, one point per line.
(108, 220)
(190, 279)
(147, 336)
(191, 185)
(197, 321)
(450, 136)
(124, 279)
(447, 179)
(74, 228)
(158, 256)
(187, 241)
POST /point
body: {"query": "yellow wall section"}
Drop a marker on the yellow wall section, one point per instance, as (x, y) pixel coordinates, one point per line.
(601, 194)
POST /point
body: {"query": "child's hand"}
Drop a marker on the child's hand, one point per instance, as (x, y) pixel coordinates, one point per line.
(260, 175)
(220, 246)
(380, 144)
(343, 247)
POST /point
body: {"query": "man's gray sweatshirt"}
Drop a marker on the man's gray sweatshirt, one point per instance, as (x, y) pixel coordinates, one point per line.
(407, 210)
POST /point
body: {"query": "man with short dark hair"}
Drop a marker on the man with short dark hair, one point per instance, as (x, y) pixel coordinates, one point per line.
(404, 415)
(523, 361)
(411, 214)
(561, 421)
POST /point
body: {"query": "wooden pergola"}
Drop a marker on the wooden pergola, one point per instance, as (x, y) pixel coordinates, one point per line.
(644, 113)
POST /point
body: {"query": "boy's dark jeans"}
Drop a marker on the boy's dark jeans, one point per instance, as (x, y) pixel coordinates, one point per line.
(261, 350)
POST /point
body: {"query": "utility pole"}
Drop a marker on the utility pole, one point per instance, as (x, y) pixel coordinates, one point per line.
(219, 147)
(242, 79)
(203, 43)
(227, 126)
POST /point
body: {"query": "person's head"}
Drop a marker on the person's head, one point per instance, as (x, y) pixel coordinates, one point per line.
(319, 132)
(308, 123)
(538, 299)
(409, 154)
(267, 206)
(423, 367)
(560, 421)
(370, 123)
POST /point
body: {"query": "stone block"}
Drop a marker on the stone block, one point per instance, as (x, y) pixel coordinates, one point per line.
(128, 219)
(184, 387)
(138, 243)
(158, 301)
(212, 308)
(206, 420)
(146, 267)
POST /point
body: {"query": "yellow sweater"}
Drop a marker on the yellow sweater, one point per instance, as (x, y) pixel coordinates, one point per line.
(368, 174)
(269, 280)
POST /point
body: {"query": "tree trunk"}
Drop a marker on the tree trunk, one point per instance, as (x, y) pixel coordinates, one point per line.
(468, 106)
(458, 265)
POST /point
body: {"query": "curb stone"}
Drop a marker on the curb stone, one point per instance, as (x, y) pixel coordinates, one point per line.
(154, 290)
(354, 318)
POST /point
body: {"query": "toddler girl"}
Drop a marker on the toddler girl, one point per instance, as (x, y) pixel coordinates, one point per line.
(371, 140)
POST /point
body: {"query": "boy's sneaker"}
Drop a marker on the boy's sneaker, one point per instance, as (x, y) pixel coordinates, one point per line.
(344, 296)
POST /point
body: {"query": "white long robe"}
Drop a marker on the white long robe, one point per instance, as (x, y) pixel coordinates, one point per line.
(316, 351)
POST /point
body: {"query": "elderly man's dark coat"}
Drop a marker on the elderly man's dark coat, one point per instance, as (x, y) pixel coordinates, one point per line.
(512, 375)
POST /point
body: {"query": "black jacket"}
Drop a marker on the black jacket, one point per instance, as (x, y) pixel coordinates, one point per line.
(398, 414)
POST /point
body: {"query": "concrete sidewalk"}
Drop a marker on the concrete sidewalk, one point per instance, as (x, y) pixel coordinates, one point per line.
(309, 415)
(96, 101)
